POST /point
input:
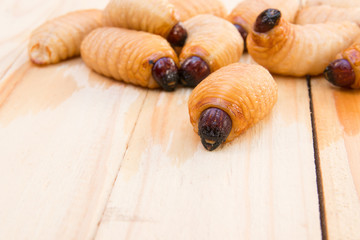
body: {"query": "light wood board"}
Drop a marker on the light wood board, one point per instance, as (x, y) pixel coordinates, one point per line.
(64, 131)
(87, 157)
(261, 186)
(337, 120)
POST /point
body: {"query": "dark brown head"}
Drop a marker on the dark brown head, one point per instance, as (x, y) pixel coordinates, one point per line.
(340, 73)
(193, 70)
(267, 20)
(243, 33)
(214, 127)
(177, 35)
(165, 73)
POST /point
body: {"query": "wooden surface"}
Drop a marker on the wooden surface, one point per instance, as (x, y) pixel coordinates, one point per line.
(337, 120)
(86, 157)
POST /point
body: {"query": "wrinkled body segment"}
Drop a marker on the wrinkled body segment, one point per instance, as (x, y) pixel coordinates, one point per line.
(60, 38)
(126, 55)
(345, 70)
(333, 3)
(246, 12)
(212, 39)
(326, 13)
(296, 50)
(190, 8)
(153, 16)
(246, 92)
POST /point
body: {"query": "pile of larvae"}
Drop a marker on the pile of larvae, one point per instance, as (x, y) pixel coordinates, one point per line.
(165, 43)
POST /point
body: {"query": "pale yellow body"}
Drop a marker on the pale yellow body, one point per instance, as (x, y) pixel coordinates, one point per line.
(246, 12)
(334, 3)
(125, 55)
(60, 38)
(214, 40)
(154, 16)
(190, 8)
(325, 13)
(352, 54)
(296, 50)
(246, 92)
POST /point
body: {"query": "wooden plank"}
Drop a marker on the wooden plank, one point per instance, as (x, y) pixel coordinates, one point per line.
(337, 119)
(63, 132)
(260, 186)
(28, 207)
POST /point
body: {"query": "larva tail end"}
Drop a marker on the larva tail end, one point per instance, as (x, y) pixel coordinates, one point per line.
(340, 73)
(40, 55)
(177, 35)
(214, 127)
(193, 70)
(243, 33)
(165, 73)
(267, 20)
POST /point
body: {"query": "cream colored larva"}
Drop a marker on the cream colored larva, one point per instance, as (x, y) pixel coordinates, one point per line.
(212, 43)
(229, 101)
(190, 8)
(131, 56)
(154, 16)
(60, 38)
(297, 50)
(325, 13)
(245, 13)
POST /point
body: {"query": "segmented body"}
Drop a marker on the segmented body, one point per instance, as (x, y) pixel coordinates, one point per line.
(214, 40)
(125, 55)
(60, 38)
(154, 16)
(333, 3)
(325, 13)
(297, 50)
(246, 12)
(190, 8)
(246, 92)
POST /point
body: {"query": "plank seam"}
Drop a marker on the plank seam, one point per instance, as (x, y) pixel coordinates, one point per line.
(319, 180)
(118, 170)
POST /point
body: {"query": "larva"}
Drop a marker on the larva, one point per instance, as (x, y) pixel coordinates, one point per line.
(229, 101)
(154, 16)
(333, 3)
(345, 70)
(297, 50)
(325, 13)
(131, 56)
(212, 43)
(244, 14)
(190, 8)
(60, 38)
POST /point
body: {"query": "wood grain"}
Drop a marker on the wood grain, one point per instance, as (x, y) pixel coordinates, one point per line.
(337, 120)
(65, 130)
(58, 163)
(261, 186)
